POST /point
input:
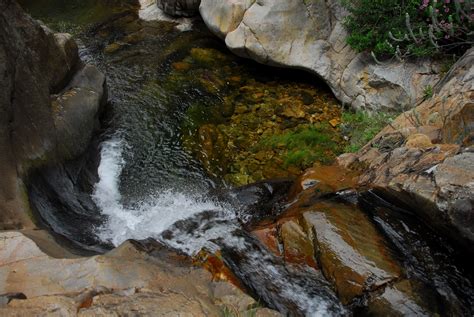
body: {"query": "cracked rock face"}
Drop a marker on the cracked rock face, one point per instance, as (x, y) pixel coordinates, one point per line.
(180, 8)
(424, 160)
(309, 35)
(49, 105)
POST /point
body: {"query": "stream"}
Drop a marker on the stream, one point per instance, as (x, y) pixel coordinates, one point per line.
(138, 180)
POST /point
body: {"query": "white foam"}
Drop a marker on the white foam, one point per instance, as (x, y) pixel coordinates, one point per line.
(145, 219)
(158, 213)
(149, 11)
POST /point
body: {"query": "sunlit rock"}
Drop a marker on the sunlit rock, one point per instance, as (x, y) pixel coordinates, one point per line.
(433, 181)
(310, 35)
(135, 277)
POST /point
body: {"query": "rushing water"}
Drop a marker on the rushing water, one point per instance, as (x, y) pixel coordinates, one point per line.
(148, 217)
(144, 184)
(147, 185)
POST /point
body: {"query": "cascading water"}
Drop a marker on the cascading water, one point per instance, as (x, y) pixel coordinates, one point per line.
(146, 218)
(193, 222)
(146, 184)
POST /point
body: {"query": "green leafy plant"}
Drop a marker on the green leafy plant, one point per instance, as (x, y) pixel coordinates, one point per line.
(407, 28)
(428, 92)
(360, 127)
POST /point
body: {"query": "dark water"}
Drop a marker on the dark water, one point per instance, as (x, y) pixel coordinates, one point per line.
(137, 181)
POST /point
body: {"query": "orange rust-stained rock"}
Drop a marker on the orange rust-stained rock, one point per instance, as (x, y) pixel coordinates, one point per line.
(297, 246)
(269, 237)
(331, 178)
(214, 264)
(352, 254)
(418, 140)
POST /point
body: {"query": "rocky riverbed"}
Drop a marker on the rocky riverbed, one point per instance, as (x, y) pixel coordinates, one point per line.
(140, 214)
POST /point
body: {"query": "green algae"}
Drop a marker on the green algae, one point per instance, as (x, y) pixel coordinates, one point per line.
(305, 145)
(360, 127)
(231, 108)
(246, 128)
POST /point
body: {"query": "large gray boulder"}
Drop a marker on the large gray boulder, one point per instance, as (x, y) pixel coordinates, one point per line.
(309, 35)
(49, 105)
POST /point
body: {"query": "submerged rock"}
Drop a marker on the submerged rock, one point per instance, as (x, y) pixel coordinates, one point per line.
(260, 124)
(310, 35)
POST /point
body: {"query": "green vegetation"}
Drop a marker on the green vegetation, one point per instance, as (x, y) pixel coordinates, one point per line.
(409, 28)
(305, 145)
(361, 127)
(428, 92)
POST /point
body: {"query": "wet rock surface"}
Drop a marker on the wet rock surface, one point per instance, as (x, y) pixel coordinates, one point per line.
(438, 273)
(290, 289)
(259, 201)
(309, 291)
(352, 254)
(378, 258)
(60, 200)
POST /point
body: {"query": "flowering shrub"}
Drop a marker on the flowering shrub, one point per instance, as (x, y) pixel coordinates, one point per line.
(404, 28)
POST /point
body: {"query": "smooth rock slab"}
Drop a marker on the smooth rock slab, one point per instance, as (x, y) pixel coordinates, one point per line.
(76, 110)
(35, 66)
(134, 278)
(350, 251)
